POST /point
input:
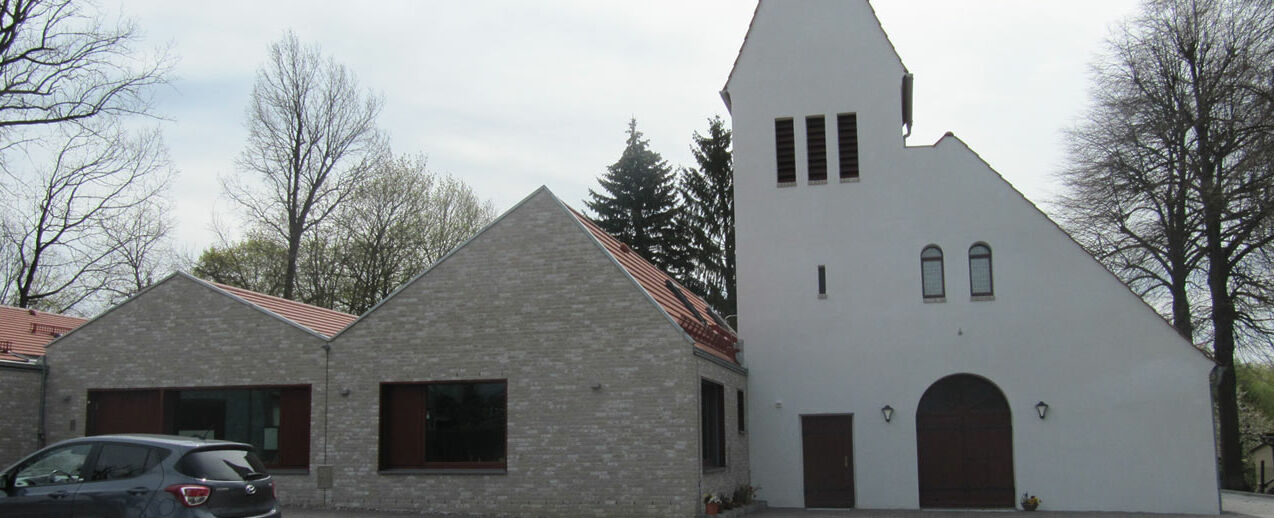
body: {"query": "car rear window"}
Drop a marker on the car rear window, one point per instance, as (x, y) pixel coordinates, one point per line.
(116, 461)
(233, 465)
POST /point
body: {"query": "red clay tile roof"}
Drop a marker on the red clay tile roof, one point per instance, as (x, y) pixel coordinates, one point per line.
(709, 336)
(26, 332)
(322, 321)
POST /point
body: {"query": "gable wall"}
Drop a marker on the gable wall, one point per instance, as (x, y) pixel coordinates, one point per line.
(1129, 425)
(535, 301)
(20, 408)
(181, 333)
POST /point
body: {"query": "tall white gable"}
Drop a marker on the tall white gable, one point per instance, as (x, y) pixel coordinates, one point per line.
(1058, 327)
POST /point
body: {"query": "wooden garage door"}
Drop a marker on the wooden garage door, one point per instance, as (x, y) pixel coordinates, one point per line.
(964, 441)
(828, 446)
(125, 411)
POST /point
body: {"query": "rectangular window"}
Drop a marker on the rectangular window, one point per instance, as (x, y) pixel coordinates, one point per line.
(276, 420)
(816, 147)
(712, 416)
(847, 142)
(739, 402)
(785, 149)
(443, 425)
(822, 280)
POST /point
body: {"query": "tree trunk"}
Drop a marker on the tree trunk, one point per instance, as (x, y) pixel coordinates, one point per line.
(289, 276)
(1223, 338)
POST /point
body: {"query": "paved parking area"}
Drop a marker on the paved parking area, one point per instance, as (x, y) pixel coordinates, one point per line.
(1232, 503)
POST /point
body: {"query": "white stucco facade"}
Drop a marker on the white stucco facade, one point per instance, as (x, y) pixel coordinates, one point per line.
(1129, 423)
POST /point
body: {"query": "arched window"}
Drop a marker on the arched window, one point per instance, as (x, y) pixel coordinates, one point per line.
(931, 281)
(980, 282)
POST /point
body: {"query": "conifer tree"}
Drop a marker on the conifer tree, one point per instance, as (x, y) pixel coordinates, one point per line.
(707, 195)
(639, 205)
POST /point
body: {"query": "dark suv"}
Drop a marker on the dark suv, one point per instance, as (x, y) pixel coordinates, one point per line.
(136, 476)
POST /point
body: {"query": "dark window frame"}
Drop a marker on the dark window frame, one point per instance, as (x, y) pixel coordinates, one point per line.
(712, 423)
(816, 148)
(942, 272)
(785, 149)
(990, 270)
(383, 454)
(847, 145)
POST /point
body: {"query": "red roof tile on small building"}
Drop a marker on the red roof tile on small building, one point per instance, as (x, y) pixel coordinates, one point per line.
(25, 332)
(709, 336)
(323, 321)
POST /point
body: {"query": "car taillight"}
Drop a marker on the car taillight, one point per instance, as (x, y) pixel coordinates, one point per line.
(190, 495)
(274, 493)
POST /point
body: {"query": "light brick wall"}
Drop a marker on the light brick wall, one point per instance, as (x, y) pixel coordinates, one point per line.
(725, 480)
(535, 301)
(184, 334)
(19, 411)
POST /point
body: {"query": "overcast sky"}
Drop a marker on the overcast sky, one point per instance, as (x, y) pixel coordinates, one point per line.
(509, 95)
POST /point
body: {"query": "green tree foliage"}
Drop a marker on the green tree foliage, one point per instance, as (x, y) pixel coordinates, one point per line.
(639, 205)
(398, 224)
(707, 194)
(255, 263)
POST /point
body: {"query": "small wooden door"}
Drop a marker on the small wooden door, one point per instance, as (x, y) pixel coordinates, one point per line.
(828, 443)
(964, 443)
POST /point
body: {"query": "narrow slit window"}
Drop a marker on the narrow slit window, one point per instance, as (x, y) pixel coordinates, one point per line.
(980, 280)
(816, 147)
(785, 150)
(847, 142)
(739, 402)
(822, 280)
(931, 280)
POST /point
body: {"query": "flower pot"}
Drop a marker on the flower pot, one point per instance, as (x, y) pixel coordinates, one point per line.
(1027, 506)
(711, 508)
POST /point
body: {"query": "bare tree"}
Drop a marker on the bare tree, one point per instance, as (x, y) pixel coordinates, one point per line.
(60, 64)
(75, 192)
(1172, 183)
(143, 248)
(312, 140)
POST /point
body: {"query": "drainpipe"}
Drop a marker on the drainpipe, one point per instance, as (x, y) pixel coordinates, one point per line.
(40, 435)
(327, 382)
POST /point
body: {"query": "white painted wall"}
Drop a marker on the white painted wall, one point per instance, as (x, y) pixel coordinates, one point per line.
(1129, 423)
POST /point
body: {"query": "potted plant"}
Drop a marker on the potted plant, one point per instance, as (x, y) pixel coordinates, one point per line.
(711, 504)
(1030, 502)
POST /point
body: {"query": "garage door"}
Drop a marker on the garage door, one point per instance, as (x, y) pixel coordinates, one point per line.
(964, 436)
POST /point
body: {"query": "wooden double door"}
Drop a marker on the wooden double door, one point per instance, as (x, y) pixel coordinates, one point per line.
(964, 443)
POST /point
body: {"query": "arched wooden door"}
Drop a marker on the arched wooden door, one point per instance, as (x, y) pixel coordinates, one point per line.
(964, 441)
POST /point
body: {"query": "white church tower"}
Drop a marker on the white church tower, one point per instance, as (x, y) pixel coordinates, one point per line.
(919, 334)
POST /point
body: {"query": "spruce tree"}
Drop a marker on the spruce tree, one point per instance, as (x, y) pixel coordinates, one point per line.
(639, 205)
(707, 214)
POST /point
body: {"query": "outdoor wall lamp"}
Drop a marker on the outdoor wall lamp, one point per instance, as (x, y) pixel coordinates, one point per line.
(1041, 408)
(888, 412)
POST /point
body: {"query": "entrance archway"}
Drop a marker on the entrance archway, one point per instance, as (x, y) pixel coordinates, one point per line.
(964, 444)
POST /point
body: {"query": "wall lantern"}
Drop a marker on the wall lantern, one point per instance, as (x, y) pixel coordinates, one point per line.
(888, 412)
(1041, 408)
